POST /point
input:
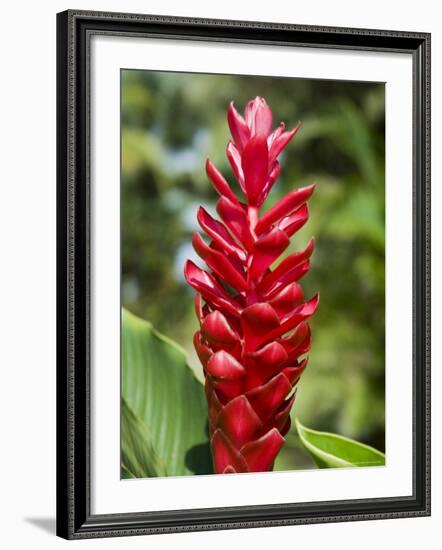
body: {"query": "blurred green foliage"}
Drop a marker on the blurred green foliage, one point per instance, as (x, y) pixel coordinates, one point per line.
(170, 123)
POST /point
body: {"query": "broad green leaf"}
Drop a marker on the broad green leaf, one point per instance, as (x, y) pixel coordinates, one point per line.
(138, 457)
(335, 451)
(162, 390)
(125, 474)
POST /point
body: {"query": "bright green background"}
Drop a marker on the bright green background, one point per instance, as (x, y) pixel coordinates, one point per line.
(170, 123)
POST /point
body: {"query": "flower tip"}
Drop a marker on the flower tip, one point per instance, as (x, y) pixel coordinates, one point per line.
(209, 166)
(187, 269)
(310, 247)
(276, 434)
(310, 189)
(294, 131)
(231, 111)
(309, 308)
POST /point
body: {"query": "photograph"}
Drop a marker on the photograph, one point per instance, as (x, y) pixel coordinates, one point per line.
(252, 221)
(217, 264)
(243, 274)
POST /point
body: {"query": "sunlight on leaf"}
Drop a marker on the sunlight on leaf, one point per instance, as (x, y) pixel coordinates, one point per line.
(162, 391)
(335, 451)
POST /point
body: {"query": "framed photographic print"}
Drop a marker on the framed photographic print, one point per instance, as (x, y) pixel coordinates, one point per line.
(243, 274)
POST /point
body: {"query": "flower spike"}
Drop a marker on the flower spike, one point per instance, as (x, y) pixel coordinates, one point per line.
(254, 333)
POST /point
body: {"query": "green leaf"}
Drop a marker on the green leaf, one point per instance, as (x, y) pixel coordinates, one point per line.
(335, 451)
(163, 392)
(138, 457)
(125, 473)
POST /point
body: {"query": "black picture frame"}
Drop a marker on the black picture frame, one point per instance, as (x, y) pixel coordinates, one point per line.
(74, 518)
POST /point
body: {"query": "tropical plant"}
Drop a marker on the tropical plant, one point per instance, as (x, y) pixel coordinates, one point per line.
(253, 326)
(165, 133)
(167, 128)
(163, 414)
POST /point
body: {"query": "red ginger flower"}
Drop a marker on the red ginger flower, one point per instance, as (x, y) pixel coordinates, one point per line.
(253, 327)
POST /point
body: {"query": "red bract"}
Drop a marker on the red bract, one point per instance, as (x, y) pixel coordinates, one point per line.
(253, 319)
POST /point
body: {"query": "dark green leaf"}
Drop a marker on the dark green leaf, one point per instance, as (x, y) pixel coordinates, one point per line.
(162, 390)
(125, 474)
(138, 457)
